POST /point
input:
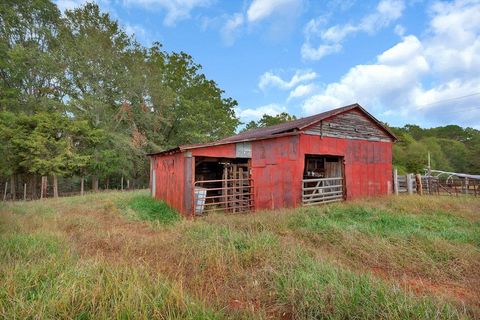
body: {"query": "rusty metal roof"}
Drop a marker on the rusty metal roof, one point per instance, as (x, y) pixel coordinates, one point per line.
(293, 125)
(290, 127)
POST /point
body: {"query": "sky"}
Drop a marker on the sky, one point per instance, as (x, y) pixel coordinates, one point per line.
(404, 61)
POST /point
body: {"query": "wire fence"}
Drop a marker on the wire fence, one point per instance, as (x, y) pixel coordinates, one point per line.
(28, 187)
(436, 185)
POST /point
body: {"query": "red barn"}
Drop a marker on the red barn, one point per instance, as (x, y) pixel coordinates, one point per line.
(340, 154)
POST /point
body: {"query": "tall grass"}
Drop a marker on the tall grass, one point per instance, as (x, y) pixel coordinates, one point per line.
(42, 279)
(102, 256)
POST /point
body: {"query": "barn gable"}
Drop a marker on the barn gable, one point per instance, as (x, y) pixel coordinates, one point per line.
(352, 124)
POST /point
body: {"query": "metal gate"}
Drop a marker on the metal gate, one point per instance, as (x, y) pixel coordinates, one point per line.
(232, 194)
(324, 190)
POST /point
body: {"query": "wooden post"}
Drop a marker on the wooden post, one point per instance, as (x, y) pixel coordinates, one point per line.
(82, 185)
(410, 184)
(122, 183)
(418, 180)
(224, 184)
(43, 189)
(395, 181)
(5, 191)
(466, 186)
(474, 188)
(24, 192)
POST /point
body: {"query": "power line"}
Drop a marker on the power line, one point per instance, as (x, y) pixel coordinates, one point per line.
(451, 99)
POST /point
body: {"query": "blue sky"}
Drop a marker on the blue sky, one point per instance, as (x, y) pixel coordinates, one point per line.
(405, 61)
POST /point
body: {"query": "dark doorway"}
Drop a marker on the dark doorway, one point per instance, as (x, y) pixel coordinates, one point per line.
(323, 179)
(222, 184)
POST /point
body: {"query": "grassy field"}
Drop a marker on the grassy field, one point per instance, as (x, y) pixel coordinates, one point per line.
(126, 256)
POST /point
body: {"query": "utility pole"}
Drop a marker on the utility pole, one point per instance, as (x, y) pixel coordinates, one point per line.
(429, 175)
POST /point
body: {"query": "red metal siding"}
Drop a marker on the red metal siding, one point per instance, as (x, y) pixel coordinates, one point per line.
(277, 169)
(368, 164)
(221, 151)
(276, 172)
(170, 182)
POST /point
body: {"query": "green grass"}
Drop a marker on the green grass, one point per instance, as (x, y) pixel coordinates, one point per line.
(388, 224)
(103, 256)
(321, 290)
(42, 279)
(146, 208)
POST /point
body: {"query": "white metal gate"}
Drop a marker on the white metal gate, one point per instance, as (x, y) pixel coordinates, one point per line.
(324, 190)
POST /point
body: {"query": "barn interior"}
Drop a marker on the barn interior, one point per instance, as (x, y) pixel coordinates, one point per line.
(322, 179)
(222, 184)
(322, 166)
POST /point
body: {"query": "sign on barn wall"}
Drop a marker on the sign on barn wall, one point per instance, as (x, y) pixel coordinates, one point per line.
(243, 150)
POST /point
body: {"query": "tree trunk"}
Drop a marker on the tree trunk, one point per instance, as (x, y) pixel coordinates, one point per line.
(43, 188)
(107, 183)
(94, 183)
(13, 190)
(82, 181)
(5, 191)
(55, 186)
(122, 184)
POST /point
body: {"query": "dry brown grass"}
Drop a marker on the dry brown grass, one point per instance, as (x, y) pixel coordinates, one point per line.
(233, 264)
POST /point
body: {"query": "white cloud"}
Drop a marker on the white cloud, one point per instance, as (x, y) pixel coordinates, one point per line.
(311, 53)
(135, 29)
(270, 79)
(230, 29)
(176, 10)
(436, 78)
(255, 114)
(261, 9)
(331, 38)
(399, 30)
(402, 52)
(302, 90)
(257, 11)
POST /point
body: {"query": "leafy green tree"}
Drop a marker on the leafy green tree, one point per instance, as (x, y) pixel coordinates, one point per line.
(268, 120)
(29, 69)
(51, 147)
(452, 148)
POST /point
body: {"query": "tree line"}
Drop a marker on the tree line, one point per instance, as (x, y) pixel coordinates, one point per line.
(452, 148)
(80, 97)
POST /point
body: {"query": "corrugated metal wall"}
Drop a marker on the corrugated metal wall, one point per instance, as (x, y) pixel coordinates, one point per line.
(277, 166)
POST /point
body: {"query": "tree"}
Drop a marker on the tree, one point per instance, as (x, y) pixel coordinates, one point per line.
(29, 70)
(268, 120)
(53, 145)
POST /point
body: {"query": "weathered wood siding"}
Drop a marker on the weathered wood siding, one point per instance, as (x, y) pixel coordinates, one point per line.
(349, 125)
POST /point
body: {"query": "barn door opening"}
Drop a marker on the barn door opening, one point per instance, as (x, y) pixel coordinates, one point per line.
(222, 184)
(323, 180)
